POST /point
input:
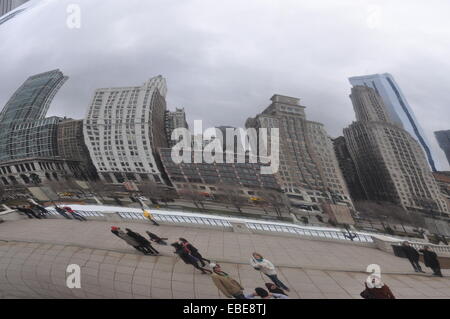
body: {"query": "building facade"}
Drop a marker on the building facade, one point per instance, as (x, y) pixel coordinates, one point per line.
(28, 140)
(71, 146)
(210, 178)
(390, 163)
(443, 138)
(123, 129)
(348, 169)
(309, 172)
(397, 108)
(8, 5)
(24, 130)
(174, 120)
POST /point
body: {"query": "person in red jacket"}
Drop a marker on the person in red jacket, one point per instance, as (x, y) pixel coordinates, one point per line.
(74, 214)
(377, 290)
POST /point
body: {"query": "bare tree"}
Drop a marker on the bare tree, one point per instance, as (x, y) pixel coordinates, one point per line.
(194, 196)
(231, 195)
(275, 200)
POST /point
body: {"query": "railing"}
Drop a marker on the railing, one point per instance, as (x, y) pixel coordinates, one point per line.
(226, 222)
(84, 213)
(328, 234)
(179, 219)
(435, 248)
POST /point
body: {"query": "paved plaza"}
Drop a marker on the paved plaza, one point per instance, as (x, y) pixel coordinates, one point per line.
(34, 255)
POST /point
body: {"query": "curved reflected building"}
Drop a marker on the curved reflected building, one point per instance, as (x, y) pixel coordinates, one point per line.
(24, 130)
(123, 130)
(28, 140)
(397, 108)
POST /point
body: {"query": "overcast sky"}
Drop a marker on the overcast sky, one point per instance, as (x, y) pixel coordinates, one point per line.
(223, 60)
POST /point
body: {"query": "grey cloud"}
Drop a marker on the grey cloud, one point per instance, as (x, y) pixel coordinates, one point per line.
(224, 59)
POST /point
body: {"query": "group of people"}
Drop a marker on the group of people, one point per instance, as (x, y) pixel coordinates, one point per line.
(233, 289)
(137, 241)
(190, 255)
(69, 213)
(39, 212)
(33, 211)
(430, 258)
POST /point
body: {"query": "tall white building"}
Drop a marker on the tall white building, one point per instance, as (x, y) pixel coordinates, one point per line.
(123, 130)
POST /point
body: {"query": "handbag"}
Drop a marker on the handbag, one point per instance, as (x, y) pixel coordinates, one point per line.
(366, 294)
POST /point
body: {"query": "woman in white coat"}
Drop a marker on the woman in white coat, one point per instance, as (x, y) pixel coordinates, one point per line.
(266, 267)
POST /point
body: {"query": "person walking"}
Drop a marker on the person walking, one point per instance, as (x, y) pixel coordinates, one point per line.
(188, 258)
(74, 214)
(413, 256)
(266, 267)
(376, 289)
(143, 242)
(27, 211)
(149, 216)
(155, 238)
(227, 285)
(129, 240)
(61, 211)
(271, 287)
(193, 251)
(263, 294)
(41, 209)
(431, 260)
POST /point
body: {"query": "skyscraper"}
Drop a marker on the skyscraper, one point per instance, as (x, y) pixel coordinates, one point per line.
(390, 162)
(397, 108)
(28, 140)
(443, 138)
(309, 172)
(24, 130)
(123, 130)
(174, 120)
(8, 5)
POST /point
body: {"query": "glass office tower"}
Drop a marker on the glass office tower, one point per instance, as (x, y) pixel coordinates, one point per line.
(24, 130)
(397, 108)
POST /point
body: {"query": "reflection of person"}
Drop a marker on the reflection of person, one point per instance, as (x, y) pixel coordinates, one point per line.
(227, 285)
(155, 238)
(266, 267)
(431, 260)
(376, 289)
(193, 251)
(143, 242)
(150, 217)
(412, 255)
(188, 258)
(263, 294)
(274, 289)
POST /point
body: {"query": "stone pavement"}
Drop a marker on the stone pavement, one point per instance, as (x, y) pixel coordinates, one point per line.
(34, 256)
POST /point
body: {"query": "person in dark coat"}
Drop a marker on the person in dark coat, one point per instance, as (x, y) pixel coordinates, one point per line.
(61, 211)
(413, 256)
(188, 258)
(155, 238)
(41, 210)
(27, 211)
(142, 241)
(431, 260)
(272, 288)
(129, 240)
(193, 251)
(377, 290)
